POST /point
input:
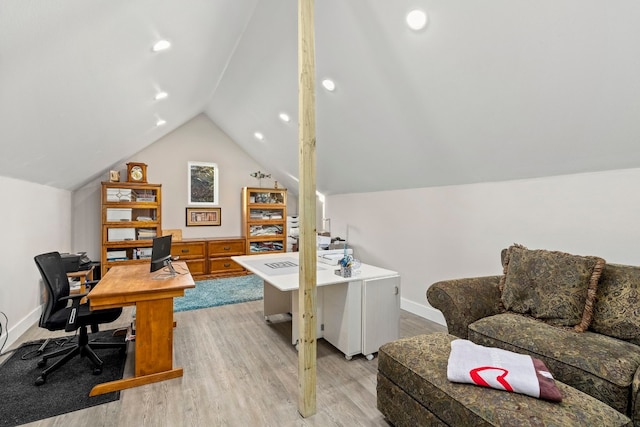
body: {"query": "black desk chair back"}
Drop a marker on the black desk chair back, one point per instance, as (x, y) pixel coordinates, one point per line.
(58, 314)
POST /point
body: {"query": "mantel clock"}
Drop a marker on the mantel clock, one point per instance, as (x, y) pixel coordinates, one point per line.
(136, 172)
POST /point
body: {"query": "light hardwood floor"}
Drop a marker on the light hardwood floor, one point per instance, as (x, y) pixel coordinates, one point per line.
(241, 371)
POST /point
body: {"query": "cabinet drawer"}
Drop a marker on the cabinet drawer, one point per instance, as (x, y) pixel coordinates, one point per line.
(188, 250)
(226, 248)
(196, 267)
(221, 265)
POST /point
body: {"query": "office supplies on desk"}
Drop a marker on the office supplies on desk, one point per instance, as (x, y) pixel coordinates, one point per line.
(333, 256)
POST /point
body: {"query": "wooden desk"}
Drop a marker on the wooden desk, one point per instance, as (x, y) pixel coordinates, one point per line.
(134, 285)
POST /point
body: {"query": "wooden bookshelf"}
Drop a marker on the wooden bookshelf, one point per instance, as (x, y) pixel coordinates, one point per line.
(131, 218)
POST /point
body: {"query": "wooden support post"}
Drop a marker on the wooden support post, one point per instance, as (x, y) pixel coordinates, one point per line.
(307, 202)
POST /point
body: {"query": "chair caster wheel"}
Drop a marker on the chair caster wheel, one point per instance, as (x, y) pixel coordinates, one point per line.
(40, 380)
(97, 371)
(42, 362)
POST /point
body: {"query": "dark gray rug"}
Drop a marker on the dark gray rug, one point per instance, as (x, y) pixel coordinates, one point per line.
(66, 390)
(216, 292)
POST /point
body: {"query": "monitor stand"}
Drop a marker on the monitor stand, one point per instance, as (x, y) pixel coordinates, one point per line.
(167, 271)
(169, 266)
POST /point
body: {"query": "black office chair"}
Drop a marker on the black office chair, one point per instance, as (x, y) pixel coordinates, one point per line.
(57, 315)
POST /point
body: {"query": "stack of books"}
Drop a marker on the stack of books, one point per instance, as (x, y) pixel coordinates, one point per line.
(117, 255)
(146, 233)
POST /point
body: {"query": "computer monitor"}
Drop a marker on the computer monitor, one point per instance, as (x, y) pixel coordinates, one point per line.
(161, 254)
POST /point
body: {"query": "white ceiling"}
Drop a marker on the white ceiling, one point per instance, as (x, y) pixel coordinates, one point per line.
(489, 91)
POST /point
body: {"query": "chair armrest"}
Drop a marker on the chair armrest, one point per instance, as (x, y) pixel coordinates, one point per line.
(72, 318)
(463, 301)
(89, 284)
(74, 297)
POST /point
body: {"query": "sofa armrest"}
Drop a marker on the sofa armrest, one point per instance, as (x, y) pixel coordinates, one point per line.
(634, 406)
(463, 301)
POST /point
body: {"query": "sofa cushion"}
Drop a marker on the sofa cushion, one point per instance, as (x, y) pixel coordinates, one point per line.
(552, 286)
(596, 364)
(617, 308)
(413, 390)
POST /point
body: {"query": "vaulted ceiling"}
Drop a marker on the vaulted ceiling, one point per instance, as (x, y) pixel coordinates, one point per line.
(488, 91)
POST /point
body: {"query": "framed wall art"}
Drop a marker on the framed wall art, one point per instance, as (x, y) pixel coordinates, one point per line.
(203, 216)
(202, 184)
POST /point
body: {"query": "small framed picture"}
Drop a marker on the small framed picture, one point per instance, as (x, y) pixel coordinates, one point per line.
(114, 176)
(203, 216)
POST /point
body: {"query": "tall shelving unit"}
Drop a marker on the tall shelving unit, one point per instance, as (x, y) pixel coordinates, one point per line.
(131, 218)
(264, 219)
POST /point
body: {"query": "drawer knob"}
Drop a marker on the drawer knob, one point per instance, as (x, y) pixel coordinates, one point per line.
(227, 265)
(184, 251)
(226, 248)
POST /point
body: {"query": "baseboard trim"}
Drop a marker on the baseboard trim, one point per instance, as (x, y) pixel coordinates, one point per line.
(16, 331)
(422, 310)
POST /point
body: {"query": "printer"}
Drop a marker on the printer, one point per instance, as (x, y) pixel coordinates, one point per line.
(75, 262)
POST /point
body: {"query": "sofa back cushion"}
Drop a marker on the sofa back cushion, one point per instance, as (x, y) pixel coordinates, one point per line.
(616, 311)
(555, 287)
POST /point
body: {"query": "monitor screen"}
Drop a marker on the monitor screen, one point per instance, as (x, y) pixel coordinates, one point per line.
(160, 252)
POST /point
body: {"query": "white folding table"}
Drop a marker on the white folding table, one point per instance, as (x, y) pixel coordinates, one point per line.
(355, 314)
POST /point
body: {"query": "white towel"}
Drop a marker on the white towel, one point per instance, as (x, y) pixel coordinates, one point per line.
(500, 369)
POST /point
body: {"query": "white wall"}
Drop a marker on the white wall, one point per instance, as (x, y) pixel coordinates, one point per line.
(35, 219)
(426, 234)
(432, 234)
(197, 140)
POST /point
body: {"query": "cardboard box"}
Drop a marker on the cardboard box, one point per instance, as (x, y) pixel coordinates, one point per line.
(144, 253)
(115, 255)
(118, 214)
(118, 195)
(120, 234)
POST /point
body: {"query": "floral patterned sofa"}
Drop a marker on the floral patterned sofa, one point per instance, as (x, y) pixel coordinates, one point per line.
(577, 314)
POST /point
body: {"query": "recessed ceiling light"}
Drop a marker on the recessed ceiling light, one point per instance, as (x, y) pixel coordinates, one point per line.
(259, 136)
(329, 85)
(416, 19)
(161, 45)
(161, 122)
(284, 117)
(161, 95)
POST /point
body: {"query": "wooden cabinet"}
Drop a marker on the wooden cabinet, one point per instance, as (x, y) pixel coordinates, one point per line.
(264, 219)
(210, 257)
(193, 253)
(131, 218)
(220, 253)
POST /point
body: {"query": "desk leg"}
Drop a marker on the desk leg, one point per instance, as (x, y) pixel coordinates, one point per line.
(295, 313)
(154, 336)
(275, 301)
(154, 347)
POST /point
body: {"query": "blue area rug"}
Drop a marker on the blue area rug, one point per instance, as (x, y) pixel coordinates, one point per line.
(216, 292)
